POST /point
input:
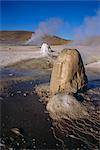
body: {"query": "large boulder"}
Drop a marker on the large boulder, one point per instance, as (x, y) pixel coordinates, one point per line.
(68, 73)
(63, 106)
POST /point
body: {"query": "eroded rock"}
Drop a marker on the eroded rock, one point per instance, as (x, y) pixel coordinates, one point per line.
(68, 73)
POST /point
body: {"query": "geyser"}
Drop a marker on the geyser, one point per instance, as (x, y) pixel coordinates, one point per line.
(45, 49)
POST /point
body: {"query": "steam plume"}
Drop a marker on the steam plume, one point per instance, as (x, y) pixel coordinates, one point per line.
(89, 30)
(48, 27)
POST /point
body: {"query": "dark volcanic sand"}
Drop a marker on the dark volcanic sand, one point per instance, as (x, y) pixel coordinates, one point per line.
(28, 114)
(21, 108)
(24, 111)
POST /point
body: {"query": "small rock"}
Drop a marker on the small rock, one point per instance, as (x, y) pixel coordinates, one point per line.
(40, 100)
(10, 74)
(72, 136)
(18, 92)
(22, 139)
(91, 129)
(1, 98)
(46, 112)
(57, 144)
(48, 119)
(2, 145)
(17, 144)
(31, 82)
(16, 131)
(33, 139)
(12, 94)
(25, 94)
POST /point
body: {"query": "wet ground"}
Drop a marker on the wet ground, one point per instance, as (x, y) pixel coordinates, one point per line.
(21, 108)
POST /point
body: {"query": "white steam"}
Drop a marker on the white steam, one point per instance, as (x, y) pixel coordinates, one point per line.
(89, 28)
(87, 39)
(88, 33)
(47, 27)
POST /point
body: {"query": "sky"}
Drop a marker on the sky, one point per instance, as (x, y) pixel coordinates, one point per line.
(27, 15)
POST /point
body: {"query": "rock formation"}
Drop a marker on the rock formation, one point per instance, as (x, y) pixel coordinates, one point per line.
(63, 106)
(68, 73)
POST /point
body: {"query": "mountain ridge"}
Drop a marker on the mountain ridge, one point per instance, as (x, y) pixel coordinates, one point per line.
(21, 36)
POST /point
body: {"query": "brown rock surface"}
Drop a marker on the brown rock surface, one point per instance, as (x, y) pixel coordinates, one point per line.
(68, 73)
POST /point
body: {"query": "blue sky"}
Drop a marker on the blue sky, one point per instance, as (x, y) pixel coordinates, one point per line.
(26, 15)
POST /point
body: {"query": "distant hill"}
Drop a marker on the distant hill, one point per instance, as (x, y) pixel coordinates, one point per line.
(54, 40)
(20, 37)
(14, 37)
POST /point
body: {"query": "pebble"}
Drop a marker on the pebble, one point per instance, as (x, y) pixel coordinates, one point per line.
(40, 100)
(91, 129)
(18, 92)
(1, 98)
(31, 82)
(46, 112)
(22, 139)
(25, 94)
(16, 131)
(33, 139)
(57, 144)
(18, 144)
(2, 145)
(10, 74)
(48, 119)
(72, 136)
(12, 94)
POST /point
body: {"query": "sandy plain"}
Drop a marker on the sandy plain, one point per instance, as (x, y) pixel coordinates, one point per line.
(13, 54)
